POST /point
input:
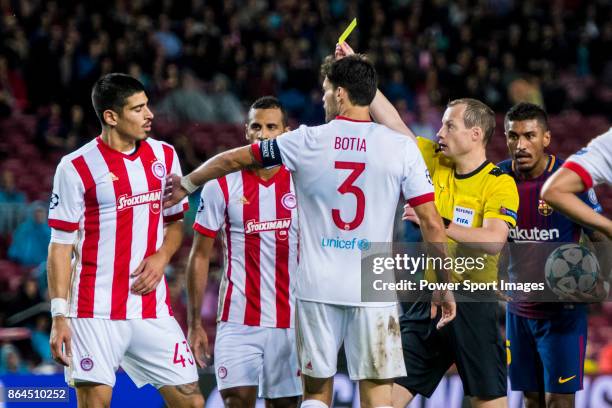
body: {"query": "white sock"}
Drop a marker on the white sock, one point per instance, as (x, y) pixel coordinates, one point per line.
(313, 403)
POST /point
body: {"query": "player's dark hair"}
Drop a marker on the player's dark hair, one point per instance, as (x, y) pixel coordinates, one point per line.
(477, 114)
(355, 74)
(111, 92)
(527, 111)
(271, 102)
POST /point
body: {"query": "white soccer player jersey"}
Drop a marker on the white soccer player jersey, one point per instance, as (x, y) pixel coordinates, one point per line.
(594, 163)
(114, 201)
(258, 223)
(348, 177)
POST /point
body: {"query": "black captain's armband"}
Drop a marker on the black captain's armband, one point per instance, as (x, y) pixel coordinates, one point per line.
(270, 153)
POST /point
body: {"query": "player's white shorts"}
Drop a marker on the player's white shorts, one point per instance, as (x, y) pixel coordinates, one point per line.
(151, 351)
(371, 337)
(253, 355)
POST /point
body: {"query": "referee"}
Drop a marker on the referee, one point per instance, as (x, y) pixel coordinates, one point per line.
(479, 204)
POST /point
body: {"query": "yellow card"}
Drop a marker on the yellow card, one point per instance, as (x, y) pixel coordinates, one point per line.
(348, 31)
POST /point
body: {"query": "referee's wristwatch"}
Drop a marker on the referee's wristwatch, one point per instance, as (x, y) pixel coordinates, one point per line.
(446, 222)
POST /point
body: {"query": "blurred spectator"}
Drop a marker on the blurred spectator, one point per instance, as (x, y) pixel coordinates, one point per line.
(187, 103)
(13, 96)
(77, 133)
(27, 296)
(11, 362)
(40, 337)
(51, 132)
(31, 238)
(226, 105)
(8, 189)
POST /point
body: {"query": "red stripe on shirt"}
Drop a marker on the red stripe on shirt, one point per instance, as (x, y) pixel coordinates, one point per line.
(252, 248)
(169, 161)
(422, 199)
(204, 231)
(227, 300)
(89, 258)
(123, 237)
(283, 307)
(147, 157)
(584, 175)
(63, 225)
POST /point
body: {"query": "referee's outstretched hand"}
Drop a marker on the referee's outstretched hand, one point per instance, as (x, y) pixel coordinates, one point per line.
(446, 301)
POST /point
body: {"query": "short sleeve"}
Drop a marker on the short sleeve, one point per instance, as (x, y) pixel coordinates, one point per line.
(417, 186)
(67, 204)
(502, 200)
(291, 145)
(211, 210)
(428, 150)
(593, 163)
(177, 211)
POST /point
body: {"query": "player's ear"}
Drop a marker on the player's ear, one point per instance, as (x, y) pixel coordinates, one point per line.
(546, 138)
(110, 117)
(340, 93)
(477, 134)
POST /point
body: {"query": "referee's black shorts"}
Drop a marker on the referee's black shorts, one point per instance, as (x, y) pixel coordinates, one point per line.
(472, 341)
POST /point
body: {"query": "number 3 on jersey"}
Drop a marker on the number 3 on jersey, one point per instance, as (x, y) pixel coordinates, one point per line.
(347, 187)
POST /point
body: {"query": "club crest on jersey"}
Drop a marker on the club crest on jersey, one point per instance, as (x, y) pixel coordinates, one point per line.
(288, 201)
(150, 197)
(158, 169)
(253, 227)
(544, 209)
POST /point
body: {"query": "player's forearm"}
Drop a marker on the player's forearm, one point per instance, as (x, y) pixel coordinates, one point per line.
(576, 209)
(601, 244)
(383, 112)
(58, 270)
(435, 238)
(197, 277)
(483, 239)
(173, 237)
(223, 164)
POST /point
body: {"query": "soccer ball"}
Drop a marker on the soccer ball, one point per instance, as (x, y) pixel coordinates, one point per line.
(571, 268)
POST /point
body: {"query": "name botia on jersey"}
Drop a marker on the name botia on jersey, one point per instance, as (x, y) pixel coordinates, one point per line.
(350, 143)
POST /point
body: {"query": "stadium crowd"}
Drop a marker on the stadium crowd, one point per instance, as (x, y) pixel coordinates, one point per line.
(205, 62)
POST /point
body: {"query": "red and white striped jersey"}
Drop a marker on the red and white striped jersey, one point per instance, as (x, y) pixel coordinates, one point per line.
(114, 202)
(258, 223)
(348, 176)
